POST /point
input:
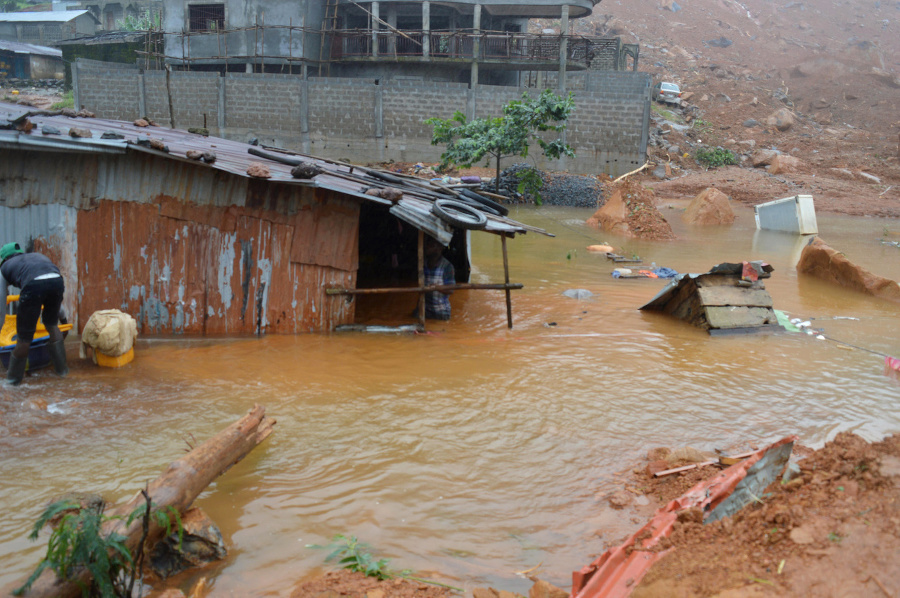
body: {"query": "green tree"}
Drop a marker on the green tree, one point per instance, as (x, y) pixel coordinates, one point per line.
(508, 135)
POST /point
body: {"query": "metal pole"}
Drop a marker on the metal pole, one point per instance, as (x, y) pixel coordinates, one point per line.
(506, 280)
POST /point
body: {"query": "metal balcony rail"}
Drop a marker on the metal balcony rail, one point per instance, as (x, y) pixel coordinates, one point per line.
(460, 44)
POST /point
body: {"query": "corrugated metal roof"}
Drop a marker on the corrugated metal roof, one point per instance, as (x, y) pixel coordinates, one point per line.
(231, 157)
(20, 48)
(31, 16)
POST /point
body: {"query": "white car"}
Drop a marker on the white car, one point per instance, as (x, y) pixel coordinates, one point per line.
(668, 93)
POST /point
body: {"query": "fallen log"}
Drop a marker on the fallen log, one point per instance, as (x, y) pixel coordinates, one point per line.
(182, 481)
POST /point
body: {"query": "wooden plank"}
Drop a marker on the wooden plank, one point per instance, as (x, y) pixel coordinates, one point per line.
(739, 316)
(726, 295)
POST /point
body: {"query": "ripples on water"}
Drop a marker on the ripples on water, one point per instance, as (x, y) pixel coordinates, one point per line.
(474, 452)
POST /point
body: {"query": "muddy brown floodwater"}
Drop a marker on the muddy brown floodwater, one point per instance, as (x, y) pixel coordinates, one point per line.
(473, 452)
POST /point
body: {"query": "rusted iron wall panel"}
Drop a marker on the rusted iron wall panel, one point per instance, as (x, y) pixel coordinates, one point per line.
(327, 232)
(181, 276)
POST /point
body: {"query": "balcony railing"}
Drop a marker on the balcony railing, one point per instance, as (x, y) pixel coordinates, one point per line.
(509, 47)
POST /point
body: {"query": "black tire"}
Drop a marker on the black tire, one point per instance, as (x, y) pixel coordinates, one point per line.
(458, 214)
(388, 178)
(477, 205)
(500, 209)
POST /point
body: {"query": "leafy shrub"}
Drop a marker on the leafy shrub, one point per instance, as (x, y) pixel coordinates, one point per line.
(714, 157)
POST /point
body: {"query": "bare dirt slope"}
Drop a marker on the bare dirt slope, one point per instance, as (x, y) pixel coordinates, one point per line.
(832, 65)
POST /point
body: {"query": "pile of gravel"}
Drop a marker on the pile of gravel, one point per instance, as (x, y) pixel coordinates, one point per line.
(570, 190)
(509, 181)
(576, 191)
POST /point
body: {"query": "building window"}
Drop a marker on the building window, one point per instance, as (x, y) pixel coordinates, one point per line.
(52, 33)
(207, 17)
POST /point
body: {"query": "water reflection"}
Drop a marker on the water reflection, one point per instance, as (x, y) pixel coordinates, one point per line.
(475, 451)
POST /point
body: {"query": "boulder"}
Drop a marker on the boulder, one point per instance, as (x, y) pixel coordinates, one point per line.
(750, 123)
(888, 78)
(543, 589)
(710, 207)
(782, 119)
(620, 499)
(821, 261)
(783, 163)
(631, 211)
(763, 157)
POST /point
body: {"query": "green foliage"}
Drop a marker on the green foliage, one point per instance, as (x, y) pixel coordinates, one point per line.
(13, 5)
(78, 541)
(143, 22)
(467, 142)
(356, 556)
(714, 157)
(68, 101)
(703, 126)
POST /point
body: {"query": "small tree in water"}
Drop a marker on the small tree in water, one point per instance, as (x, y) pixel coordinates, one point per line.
(505, 136)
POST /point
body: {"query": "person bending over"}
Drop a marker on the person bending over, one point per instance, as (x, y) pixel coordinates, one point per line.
(40, 284)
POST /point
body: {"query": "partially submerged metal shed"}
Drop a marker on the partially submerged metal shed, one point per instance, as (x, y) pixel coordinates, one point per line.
(728, 299)
(195, 247)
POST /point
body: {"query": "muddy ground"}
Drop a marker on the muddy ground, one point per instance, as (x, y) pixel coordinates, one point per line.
(833, 67)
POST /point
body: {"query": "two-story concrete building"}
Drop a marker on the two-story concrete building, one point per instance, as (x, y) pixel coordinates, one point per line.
(465, 41)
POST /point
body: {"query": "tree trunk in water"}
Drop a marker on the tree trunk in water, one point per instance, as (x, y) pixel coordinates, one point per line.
(177, 487)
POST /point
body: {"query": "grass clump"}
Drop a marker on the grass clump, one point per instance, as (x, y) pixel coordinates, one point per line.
(68, 101)
(713, 157)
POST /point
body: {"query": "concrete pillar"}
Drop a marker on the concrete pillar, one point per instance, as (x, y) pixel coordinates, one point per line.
(76, 91)
(476, 44)
(426, 29)
(379, 120)
(470, 104)
(392, 21)
(220, 105)
(142, 96)
(305, 144)
(376, 14)
(563, 45)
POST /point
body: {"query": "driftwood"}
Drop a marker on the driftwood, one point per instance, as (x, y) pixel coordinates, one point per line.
(177, 487)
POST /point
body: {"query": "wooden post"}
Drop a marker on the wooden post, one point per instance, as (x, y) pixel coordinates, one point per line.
(422, 278)
(506, 280)
(169, 93)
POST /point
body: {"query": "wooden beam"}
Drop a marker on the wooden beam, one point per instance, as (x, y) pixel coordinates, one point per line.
(506, 279)
(422, 278)
(423, 289)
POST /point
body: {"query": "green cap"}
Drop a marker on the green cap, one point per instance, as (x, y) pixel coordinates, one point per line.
(9, 250)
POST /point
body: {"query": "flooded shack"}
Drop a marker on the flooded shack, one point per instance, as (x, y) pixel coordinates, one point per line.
(729, 299)
(195, 235)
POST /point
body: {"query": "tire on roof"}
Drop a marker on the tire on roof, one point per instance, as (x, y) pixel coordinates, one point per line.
(458, 214)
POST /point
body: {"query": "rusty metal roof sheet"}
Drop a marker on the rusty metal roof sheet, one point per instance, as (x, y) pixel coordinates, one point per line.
(231, 157)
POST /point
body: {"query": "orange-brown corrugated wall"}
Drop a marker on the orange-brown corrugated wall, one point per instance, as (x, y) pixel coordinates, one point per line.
(180, 268)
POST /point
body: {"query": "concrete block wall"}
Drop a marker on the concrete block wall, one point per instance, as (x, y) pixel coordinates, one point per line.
(263, 101)
(116, 97)
(406, 105)
(358, 120)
